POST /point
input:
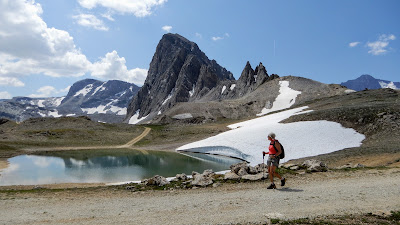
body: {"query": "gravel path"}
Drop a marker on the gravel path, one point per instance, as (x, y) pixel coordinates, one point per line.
(308, 195)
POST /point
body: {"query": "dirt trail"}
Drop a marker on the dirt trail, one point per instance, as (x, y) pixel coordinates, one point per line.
(127, 145)
(308, 195)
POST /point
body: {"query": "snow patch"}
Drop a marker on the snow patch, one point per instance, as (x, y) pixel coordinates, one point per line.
(84, 91)
(54, 114)
(387, 85)
(104, 109)
(183, 116)
(348, 91)
(42, 114)
(135, 118)
(99, 88)
(167, 99)
(57, 101)
(192, 91)
(285, 99)
(223, 89)
(40, 103)
(232, 86)
(249, 139)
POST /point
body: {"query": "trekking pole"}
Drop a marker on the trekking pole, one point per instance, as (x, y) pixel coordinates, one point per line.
(263, 167)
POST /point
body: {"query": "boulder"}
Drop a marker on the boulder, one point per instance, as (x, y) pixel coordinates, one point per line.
(253, 170)
(231, 176)
(313, 165)
(295, 167)
(155, 181)
(204, 179)
(261, 168)
(242, 172)
(181, 176)
(235, 168)
(287, 165)
(350, 166)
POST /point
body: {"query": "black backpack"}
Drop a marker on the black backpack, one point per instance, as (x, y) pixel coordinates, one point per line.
(282, 155)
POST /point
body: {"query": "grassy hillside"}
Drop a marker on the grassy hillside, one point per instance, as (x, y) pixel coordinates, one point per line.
(64, 131)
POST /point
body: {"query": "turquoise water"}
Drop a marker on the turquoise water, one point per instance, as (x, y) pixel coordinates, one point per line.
(105, 166)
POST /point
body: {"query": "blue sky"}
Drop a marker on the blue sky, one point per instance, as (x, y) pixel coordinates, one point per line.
(47, 45)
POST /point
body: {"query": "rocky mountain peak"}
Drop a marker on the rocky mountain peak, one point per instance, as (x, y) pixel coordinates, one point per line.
(251, 79)
(179, 72)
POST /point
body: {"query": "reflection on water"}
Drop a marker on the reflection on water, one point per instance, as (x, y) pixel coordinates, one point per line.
(105, 166)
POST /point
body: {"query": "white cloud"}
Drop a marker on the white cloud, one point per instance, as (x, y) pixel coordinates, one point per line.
(167, 28)
(5, 95)
(46, 91)
(28, 47)
(108, 16)
(198, 35)
(354, 44)
(113, 67)
(380, 46)
(11, 81)
(49, 91)
(88, 20)
(139, 8)
(217, 38)
(226, 35)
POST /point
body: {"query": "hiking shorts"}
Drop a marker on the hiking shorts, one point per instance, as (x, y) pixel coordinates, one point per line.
(273, 161)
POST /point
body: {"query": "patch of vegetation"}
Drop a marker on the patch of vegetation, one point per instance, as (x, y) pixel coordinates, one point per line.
(369, 218)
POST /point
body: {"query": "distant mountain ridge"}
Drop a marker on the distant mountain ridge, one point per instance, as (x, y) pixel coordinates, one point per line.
(369, 82)
(102, 101)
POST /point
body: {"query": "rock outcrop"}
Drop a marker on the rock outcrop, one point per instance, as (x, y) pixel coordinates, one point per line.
(204, 179)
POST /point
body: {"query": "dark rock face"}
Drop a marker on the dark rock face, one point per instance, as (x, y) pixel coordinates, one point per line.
(251, 79)
(369, 82)
(248, 82)
(179, 72)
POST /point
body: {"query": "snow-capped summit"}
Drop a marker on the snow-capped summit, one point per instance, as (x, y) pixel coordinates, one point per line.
(91, 96)
(103, 101)
(369, 82)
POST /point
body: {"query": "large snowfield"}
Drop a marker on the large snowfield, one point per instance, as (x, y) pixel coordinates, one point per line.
(247, 140)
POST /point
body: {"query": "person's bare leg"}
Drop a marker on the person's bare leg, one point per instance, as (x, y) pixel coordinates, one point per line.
(271, 174)
(275, 173)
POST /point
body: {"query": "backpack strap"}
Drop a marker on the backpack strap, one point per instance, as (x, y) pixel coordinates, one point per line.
(273, 144)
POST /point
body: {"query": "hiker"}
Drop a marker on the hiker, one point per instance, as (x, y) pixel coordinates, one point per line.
(273, 160)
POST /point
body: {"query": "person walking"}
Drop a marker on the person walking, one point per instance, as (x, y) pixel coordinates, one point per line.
(273, 160)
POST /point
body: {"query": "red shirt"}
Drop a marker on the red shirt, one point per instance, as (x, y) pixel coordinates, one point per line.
(271, 148)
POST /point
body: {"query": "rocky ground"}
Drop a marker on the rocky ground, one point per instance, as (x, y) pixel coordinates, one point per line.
(341, 196)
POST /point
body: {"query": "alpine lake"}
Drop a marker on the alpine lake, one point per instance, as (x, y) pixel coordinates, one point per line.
(106, 166)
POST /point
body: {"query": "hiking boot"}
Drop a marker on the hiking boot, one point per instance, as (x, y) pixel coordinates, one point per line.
(283, 181)
(272, 186)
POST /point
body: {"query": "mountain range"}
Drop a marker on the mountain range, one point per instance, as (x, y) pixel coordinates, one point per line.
(369, 82)
(101, 101)
(183, 85)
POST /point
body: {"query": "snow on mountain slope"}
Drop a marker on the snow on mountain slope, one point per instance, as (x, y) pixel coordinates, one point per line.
(285, 99)
(388, 85)
(247, 140)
